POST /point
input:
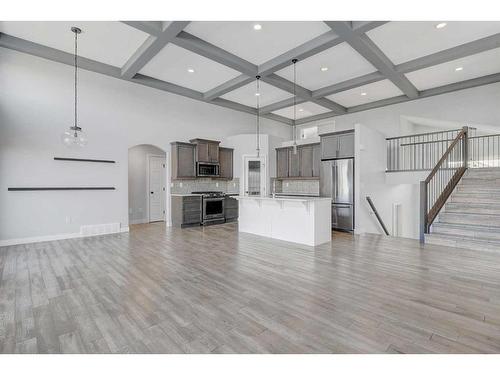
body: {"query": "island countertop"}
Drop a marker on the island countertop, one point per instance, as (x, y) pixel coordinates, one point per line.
(283, 198)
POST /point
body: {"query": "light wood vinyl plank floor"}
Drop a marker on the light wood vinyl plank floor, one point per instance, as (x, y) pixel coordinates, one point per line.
(214, 290)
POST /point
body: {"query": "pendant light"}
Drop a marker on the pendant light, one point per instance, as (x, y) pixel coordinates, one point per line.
(74, 136)
(294, 61)
(257, 94)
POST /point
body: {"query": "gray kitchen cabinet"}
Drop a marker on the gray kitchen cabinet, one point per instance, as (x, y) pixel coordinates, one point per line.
(282, 162)
(293, 163)
(230, 208)
(306, 161)
(183, 160)
(316, 150)
(346, 145)
(337, 145)
(225, 163)
(186, 210)
(329, 146)
(207, 151)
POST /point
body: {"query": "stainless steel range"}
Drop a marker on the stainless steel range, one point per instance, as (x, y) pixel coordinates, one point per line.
(213, 206)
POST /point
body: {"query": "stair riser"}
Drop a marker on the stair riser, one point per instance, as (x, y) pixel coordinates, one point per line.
(480, 182)
(463, 244)
(478, 188)
(464, 231)
(471, 208)
(486, 198)
(470, 219)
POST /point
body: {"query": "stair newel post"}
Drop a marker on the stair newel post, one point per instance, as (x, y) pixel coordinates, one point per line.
(466, 146)
(423, 210)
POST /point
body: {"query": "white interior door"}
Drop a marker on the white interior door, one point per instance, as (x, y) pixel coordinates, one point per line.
(255, 175)
(156, 188)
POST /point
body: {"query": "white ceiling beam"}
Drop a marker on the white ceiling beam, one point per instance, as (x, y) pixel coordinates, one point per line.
(228, 86)
(475, 82)
(34, 49)
(149, 27)
(151, 47)
(362, 27)
(366, 48)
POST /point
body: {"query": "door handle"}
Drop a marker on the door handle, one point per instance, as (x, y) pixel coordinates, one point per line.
(152, 192)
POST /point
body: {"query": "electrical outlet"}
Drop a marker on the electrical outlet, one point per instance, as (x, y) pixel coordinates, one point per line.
(216, 184)
(234, 184)
(171, 184)
(68, 219)
(180, 184)
(287, 184)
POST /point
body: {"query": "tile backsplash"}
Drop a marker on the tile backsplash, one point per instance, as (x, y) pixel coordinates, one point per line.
(309, 187)
(205, 184)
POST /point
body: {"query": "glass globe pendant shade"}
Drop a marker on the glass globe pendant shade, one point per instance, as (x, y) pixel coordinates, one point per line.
(74, 137)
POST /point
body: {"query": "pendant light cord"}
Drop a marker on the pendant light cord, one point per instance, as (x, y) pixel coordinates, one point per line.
(76, 82)
(294, 61)
(258, 115)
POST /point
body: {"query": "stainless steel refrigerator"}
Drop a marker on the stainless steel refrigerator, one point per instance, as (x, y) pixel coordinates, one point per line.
(337, 182)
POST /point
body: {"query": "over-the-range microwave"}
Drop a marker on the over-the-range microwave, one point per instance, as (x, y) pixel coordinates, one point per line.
(204, 169)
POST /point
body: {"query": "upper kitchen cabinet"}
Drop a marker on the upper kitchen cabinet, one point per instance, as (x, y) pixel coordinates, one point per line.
(303, 164)
(337, 145)
(282, 162)
(293, 163)
(306, 161)
(226, 163)
(207, 150)
(183, 160)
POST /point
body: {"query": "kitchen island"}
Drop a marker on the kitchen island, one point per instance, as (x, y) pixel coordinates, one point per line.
(304, 220)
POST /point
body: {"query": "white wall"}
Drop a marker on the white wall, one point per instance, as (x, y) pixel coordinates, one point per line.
(138, 195)
(36, 104)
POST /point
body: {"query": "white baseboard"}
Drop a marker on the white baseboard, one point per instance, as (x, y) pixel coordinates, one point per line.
(55, 237)
(138, 221)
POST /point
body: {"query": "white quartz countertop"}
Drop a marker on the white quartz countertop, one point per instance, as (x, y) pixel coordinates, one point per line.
(284, 198)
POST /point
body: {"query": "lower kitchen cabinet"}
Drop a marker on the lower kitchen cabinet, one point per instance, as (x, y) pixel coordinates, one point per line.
(186, 210)
(231, 209)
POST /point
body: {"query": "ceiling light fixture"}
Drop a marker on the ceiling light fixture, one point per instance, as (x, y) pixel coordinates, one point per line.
(324, 68)
(363, 94)
(257, 94)
(190, 70)
(294, 62)
(257, 26)
(441, 25)
(74, 137)
(460, 68)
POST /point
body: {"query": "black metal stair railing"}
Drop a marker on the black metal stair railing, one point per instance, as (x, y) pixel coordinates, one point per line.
(442, 180)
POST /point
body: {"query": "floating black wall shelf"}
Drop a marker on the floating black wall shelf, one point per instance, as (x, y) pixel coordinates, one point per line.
(59, 188)
(86, 160)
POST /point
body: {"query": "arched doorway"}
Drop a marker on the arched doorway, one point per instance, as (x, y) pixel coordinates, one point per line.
(147, 183)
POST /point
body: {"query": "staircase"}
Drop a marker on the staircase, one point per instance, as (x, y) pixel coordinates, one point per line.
(471, 216)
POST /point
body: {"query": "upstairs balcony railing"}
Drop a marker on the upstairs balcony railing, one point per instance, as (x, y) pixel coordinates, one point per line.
(420, 152)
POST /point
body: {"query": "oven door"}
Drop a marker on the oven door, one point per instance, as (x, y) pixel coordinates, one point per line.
(213, 208)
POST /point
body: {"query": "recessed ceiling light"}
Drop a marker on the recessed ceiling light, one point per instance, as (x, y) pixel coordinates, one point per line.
(324, 68)
(301, 110)
(441, 25)
(257, 94)
(363, 94)
(459, 69)
(257, 26)
(191, 70)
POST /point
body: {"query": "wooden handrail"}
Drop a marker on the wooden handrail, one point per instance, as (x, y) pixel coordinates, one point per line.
(443, 158)
(428, 215)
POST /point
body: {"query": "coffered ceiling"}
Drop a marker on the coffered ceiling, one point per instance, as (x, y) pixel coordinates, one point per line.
(342, 67)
